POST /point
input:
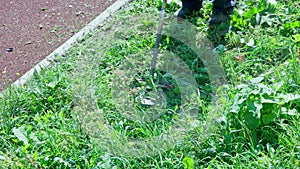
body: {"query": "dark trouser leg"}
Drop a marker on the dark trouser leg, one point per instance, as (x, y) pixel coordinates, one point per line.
(223, 5)
(192, 4)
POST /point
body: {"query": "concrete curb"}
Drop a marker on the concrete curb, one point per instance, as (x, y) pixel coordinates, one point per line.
(68, 44)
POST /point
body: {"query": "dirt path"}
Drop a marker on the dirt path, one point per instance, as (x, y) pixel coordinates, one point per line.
(35, 28)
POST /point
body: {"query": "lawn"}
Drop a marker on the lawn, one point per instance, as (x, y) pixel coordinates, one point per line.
(229, 99)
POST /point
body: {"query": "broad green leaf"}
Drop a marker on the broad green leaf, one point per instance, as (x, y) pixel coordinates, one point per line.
(278, 86)
(241, 86)
(268, 118)
(265, 98)
(254, 107)
(267, 19)
(267, 107)
(295, 24)
(252, 116)
(235, 108)
(289, 97)
(296, 38)
(291, 112)
(20, 133)
(292, 25)
(265, 89)
(257, 80)
(255, 92)
(188, 163)
(238, 103)
(251, 120)
(253, 11)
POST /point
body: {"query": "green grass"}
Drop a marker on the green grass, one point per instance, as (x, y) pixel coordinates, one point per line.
(67, 116)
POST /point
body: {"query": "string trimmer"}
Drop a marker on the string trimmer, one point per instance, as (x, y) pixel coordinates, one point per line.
(149, 100)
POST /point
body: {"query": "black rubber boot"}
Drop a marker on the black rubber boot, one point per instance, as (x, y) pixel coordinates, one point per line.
(221, 11)
(219, 17)
(189, 7)
(185, 12)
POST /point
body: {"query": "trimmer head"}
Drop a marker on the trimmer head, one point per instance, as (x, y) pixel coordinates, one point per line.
(145, 98)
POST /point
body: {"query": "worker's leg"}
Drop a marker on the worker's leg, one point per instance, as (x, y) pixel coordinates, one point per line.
(221, 11)
(188, 7)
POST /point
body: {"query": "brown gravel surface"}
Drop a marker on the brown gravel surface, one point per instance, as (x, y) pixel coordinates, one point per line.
(35, 28)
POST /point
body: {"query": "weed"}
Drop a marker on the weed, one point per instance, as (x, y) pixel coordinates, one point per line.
(44, 123)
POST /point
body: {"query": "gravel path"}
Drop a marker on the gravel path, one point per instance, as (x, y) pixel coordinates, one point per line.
(31, 29)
